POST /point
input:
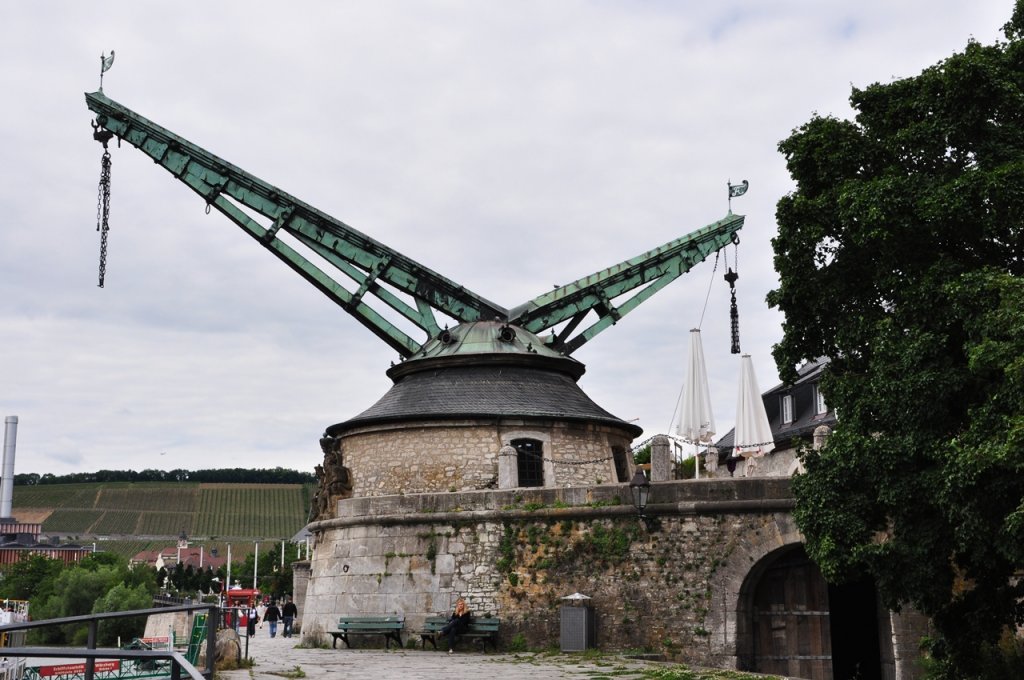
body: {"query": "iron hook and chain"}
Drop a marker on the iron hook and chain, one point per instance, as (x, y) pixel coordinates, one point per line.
(734, 314)
(103, 197)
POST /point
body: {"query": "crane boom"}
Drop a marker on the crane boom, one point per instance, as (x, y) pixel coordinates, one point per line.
(372, 270)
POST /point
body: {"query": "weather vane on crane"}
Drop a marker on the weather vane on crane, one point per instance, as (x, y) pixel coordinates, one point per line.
(105, 64)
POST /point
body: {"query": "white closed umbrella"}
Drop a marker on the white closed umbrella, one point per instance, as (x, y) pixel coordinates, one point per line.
(696, 423)
(753, 434)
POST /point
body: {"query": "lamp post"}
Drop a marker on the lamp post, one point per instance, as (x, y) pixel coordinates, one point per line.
(640, 489)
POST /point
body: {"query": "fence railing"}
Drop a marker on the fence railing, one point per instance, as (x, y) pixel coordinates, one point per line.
(90, 652)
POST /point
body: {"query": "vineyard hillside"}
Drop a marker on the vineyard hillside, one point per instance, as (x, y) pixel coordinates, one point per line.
(140, 512)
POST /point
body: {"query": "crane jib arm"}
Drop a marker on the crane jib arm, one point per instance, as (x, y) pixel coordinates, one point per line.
(375, 275)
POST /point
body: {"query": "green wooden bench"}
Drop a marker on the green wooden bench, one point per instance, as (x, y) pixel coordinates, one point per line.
(390, 626)
(483, 629)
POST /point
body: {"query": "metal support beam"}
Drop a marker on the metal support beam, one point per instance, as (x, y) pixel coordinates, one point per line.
(372, 274)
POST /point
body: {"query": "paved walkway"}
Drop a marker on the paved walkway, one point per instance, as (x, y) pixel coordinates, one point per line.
(280, 657)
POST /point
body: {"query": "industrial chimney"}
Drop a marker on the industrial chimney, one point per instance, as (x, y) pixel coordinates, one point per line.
(7, 476)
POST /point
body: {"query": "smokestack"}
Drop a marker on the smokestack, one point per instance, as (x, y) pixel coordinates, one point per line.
(7, 477)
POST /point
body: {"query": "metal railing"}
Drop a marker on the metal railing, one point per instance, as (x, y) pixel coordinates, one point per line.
(90, 652)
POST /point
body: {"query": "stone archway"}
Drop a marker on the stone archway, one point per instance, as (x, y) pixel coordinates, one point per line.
(768, 541)
(791, 622)
(728, 611)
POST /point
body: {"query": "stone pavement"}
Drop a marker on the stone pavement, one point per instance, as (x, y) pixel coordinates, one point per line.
(280, 657)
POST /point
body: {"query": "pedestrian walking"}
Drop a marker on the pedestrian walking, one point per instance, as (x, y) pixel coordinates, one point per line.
(272, 616)
(288, 615)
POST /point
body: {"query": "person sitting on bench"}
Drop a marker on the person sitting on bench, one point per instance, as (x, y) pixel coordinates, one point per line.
(458, 622)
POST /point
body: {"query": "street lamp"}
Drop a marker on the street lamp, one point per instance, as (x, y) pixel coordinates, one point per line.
(640, 488)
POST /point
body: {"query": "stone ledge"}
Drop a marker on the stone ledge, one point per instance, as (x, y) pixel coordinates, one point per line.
(689, 497)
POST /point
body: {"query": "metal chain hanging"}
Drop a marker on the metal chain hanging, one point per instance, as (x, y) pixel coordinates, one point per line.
(734, 313)
(103, 199)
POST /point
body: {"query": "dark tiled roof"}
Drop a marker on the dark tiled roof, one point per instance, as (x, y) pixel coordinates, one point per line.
(484, 391)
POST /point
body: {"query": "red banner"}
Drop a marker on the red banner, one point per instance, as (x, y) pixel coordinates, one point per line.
(79, 668)
(159, 639)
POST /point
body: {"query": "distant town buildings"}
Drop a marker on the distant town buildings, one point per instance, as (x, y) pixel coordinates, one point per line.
(18, 539)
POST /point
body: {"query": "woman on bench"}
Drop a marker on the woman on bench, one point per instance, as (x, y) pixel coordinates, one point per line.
(458, 622)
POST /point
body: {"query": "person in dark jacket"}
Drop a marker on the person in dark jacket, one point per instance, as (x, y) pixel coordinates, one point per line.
(457, 622)
(288, 615)
(272, 616)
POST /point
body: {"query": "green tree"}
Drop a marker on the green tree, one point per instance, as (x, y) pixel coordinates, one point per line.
(900, 256)
(27, 578)
(75, 591)
(276, 580)
(122, 598)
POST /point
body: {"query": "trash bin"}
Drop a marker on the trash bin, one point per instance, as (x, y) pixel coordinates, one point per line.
(577, 623)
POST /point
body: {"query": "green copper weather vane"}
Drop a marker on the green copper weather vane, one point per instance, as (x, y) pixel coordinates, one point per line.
(735, 190)
(105, 64)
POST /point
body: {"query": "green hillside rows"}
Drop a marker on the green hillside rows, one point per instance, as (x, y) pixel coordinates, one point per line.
(116, 522)
(70, 520)
(176, 497)
(56, 496)
(155, 509)
(257, 510)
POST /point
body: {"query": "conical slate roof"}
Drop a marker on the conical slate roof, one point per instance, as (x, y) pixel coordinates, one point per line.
(485, 370)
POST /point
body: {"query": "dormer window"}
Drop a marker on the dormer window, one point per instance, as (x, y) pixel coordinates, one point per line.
(787, 408)
(820, 408)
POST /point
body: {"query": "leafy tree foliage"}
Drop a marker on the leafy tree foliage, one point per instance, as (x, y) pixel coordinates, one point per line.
(100, 582)
(74, 592)
(900, 257)
(118, 599)
(271, 578)
(28, 578)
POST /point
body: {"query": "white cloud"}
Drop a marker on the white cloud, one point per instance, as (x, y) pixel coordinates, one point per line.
(508, 146)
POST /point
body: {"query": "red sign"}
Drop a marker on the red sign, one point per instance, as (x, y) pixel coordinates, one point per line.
(159, 639)
(79, 668)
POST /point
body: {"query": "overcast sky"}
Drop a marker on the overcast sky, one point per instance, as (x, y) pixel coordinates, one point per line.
(510, 146)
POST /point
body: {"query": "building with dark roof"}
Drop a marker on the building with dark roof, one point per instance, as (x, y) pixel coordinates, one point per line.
(796, 413)
(483, 405)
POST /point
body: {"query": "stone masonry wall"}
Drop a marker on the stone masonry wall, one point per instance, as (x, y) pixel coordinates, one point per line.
(681, 586)
(423, 457)
(514, 554)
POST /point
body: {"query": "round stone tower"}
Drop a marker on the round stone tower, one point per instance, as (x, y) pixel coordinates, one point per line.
(485, 405)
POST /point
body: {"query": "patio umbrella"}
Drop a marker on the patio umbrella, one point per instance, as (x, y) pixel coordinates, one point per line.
(753, 434)
(696, 423)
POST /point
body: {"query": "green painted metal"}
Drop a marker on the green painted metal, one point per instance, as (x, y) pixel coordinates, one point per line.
(647, 274)
(373, 272)
(196, 638)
